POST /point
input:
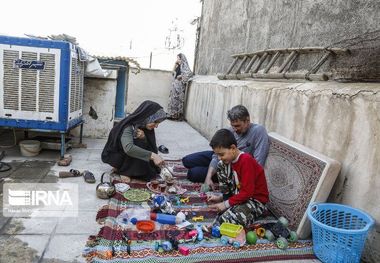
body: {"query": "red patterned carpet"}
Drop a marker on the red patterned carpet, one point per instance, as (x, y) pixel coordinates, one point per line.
(109, 246)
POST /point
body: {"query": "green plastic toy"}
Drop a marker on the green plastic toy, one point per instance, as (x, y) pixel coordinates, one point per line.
(251, 238)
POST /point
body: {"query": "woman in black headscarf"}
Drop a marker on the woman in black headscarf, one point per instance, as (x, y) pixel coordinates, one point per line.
(131, 146)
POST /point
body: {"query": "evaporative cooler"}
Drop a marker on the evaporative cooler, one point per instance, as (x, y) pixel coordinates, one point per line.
(41, 85)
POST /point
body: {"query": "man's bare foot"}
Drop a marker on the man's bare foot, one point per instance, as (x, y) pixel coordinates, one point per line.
(125, 179)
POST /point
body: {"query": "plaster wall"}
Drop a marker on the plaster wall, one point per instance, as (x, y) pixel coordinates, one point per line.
(100, 95)
(340, 120)
(149, 84)
(245, 26)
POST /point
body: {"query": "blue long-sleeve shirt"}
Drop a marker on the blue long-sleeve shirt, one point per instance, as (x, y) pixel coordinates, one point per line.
(255, 142)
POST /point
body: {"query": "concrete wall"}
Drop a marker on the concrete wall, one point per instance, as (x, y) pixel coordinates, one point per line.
(230, 27)
(340, 120)
(100, 95)
(149, 84)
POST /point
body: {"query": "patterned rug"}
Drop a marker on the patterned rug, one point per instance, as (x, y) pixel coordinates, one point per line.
(108, 245)
(297, 176)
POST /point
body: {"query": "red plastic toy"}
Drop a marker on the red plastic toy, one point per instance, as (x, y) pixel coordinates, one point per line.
(145, 225)
(184, 250)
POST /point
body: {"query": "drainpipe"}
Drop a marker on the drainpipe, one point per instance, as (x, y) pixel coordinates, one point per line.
(120, 93)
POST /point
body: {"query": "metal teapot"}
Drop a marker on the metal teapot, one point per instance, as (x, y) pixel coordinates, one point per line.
(105, 190)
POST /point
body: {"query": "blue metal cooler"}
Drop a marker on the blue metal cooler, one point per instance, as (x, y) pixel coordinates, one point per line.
(41, 85)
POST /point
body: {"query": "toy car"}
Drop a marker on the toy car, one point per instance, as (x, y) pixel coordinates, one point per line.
(236, 242)
(185, 200)
(198, 218)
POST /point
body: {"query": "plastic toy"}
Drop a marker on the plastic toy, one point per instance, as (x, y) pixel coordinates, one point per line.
(181, 215)
(108, 254)
(165, 219)
(145, 225)
(163, 204)
(197, 218)
(174, 243)
(193, 233)
(185, 200)
(206, 229)
(175, 200)
(166, 245)
(260, 232)
(251, 238)
(200, 232)
(278, 231)
(237, 241)
(215, 231)
(126, 238)
(231, 230)
(193, 239)
(184, 251)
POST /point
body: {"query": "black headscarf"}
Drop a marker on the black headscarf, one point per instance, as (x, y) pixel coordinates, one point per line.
(113, 152)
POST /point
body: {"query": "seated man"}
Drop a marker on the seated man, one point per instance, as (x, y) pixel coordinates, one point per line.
(241, 180)
(251, 138)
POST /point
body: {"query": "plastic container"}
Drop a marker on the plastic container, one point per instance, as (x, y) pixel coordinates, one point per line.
(339, 231)
(30, 148)
(145, 226)
(126, 217)
(230, 230)
(165, 219)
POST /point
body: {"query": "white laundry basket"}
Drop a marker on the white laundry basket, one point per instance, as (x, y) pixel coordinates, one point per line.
(30, 148)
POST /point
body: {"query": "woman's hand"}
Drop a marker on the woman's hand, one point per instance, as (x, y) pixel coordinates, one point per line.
(158, 161)
(139, 134)
(179, 77)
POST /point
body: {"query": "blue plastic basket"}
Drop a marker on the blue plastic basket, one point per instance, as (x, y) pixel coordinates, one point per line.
(339, 231)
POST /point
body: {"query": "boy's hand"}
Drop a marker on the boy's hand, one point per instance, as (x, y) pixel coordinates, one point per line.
(214, 198)
(220, 207)
(210, 183)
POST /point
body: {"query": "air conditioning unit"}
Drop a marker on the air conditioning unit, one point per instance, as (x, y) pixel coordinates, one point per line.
(41, 84)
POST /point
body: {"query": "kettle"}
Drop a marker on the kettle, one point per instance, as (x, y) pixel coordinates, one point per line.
(105, 190)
